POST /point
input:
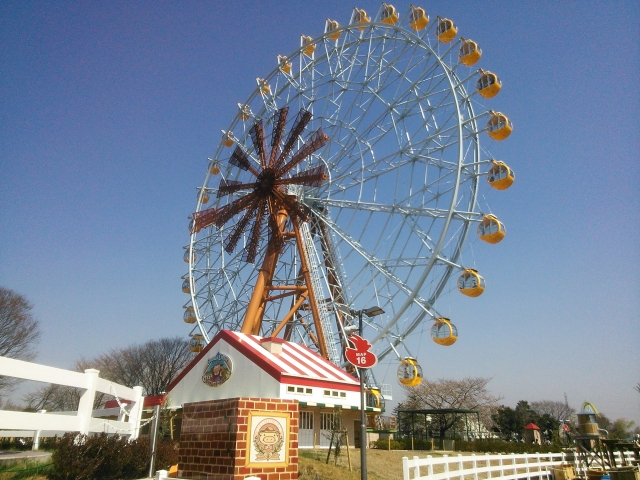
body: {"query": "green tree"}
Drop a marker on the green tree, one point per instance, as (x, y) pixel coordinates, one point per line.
(511, 422)
(19, 332)
(621, 428)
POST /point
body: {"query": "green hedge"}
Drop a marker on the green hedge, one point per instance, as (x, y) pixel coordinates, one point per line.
(480, 446)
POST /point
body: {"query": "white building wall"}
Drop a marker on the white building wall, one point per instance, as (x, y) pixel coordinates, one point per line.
(318, 395)
(246, 380)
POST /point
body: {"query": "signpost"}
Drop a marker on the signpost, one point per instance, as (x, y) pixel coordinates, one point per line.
(361, 358)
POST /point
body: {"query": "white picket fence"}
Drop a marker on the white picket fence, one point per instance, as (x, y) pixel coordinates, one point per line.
(477, 467)
(84, 420)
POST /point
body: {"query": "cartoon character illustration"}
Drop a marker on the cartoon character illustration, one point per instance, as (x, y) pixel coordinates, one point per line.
(268, 440)
(218, 370)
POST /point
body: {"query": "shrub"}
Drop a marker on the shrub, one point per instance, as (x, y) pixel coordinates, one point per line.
(166, 453)
(500, 446)
(78, 457)
(383, 444)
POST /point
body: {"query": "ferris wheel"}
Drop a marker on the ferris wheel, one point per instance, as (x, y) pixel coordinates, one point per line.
(349, 178)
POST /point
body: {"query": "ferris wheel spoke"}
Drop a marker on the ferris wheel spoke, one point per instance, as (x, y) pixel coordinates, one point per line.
(372, 261)
(381, 208)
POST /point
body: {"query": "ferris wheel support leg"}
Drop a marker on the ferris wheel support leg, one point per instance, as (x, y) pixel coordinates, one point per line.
(312, 296)
(255, 309)
(290, 315)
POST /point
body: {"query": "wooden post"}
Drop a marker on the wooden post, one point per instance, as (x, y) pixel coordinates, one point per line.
(346, 438)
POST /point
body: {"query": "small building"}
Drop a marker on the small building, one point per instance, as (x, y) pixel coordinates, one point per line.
(237, 365)
(532, 434)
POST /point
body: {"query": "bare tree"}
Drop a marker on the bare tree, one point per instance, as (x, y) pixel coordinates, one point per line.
(152, 366)
(557, 410)
(18, 331)
(467, 394)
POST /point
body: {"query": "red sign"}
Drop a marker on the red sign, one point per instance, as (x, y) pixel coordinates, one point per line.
(360, 356)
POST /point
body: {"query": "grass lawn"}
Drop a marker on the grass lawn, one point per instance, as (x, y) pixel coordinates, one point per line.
(381, 464)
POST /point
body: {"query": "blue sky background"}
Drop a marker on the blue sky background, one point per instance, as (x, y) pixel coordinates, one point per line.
(109, 111)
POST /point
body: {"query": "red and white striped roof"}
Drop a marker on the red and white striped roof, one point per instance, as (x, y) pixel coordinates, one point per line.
(296, 364)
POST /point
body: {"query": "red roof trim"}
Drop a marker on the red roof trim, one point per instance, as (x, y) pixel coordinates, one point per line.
(193, 363)
(245, 346)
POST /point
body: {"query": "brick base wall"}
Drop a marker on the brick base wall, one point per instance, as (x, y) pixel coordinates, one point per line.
(213, 440)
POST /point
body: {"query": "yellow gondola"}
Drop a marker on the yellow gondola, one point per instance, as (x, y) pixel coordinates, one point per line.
(309, 47)
(360, 16)
(284, 64)
(443, 332)
(333, 26)
(389, 14)
(227, 141)
(488, 85)
(244, 112)
(500, 176)
(195, 345)
(469, 52)
(409, 372)
(446, 30)
(375, 398)
(499, 126)
(189, 315)
(418, 19)
(186, 286)
(263, 85)
(214, 169)
(204, 198)
(471, 283)
(491, 230)
(185, 257)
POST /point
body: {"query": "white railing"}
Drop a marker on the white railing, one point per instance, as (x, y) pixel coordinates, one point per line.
(504, 466)
(43, 424)
(313, 261)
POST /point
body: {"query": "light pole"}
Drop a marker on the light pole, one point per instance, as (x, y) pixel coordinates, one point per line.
(369, 312)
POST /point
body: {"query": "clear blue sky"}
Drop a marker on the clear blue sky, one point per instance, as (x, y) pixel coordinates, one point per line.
(109, 111)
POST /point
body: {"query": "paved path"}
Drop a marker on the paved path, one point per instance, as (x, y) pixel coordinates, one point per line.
(17, 455)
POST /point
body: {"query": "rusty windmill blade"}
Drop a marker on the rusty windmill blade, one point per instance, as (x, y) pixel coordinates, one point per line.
(251, 249)
(203, 219)
(224, 214)
(312, 177)
(228, 187)
(279, 121)
(316, 141)
(302, 119)
(257, 137)
(232, 239)
(241, 160)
